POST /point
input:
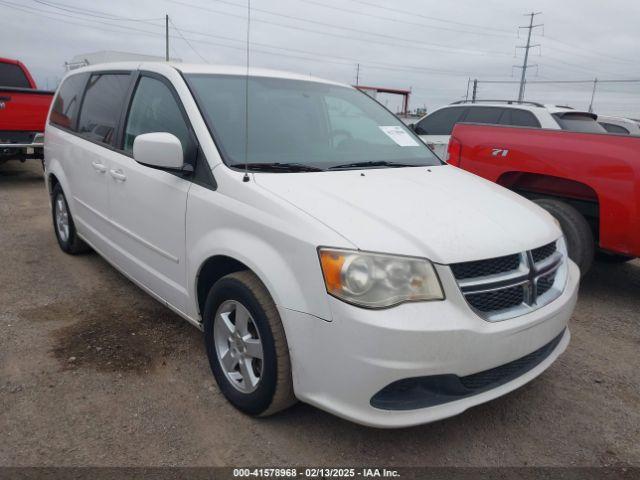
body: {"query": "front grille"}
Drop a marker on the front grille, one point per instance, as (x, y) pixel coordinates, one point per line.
(483, 268)
(543, 252)
(545, 283)
(508, 286)
(497, 300)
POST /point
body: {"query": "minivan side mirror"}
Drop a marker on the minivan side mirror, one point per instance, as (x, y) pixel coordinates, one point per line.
(159, 149)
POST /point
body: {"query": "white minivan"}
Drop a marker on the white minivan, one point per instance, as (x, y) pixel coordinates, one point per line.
(327, 254)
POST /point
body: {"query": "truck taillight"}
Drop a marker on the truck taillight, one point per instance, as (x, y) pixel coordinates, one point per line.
(454, 152)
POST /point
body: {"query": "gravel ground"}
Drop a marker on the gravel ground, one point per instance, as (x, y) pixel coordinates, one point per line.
(95, 372)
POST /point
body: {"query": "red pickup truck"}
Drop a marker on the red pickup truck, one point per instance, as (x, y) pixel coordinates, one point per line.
(590, 182)
(23, 111)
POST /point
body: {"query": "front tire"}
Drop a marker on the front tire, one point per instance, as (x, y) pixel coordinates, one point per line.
(246, 345)
(63, 224)
(577, 233)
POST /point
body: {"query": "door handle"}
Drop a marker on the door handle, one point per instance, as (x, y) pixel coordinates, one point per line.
(118, 174)
(99, 166)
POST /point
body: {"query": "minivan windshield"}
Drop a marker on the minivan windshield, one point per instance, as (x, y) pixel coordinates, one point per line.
(302, 126)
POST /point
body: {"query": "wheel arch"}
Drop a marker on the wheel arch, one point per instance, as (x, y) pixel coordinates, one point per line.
(55, 176)
(548, 185)
(273, 264)
(582, 196)
(212, 270)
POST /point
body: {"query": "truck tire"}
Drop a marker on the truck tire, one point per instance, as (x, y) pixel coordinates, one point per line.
(577, 233)
(246, 345)
(63, 224)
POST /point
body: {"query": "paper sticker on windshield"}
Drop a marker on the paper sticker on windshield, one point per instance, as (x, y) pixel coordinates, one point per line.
(399, 135)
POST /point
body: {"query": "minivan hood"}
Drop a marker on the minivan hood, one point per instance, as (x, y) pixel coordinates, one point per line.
(441, 213)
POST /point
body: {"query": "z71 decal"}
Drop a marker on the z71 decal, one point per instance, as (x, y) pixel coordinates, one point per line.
(499, 152)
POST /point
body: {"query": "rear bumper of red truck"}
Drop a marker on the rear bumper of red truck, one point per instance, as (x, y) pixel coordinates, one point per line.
(21, 145)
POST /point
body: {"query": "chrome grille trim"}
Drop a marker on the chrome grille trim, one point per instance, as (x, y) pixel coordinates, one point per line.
(551, 271)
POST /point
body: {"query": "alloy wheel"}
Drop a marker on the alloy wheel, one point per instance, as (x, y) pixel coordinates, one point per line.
(238, 346)
(62, 218)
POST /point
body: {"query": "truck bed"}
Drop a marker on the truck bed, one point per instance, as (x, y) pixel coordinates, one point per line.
(24, 109)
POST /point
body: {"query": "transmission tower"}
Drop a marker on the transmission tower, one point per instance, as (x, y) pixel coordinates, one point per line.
(527, 47)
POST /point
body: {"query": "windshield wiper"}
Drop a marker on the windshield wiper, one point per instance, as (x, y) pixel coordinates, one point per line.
(277, 167)
(381, 163)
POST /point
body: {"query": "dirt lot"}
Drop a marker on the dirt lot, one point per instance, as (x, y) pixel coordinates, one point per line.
(95, 372)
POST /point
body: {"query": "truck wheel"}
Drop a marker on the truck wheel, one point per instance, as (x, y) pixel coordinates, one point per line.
(63, 224)
(577, 232)
(246, 345)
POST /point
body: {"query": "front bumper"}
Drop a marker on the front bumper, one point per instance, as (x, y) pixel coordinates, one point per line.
(340, 365)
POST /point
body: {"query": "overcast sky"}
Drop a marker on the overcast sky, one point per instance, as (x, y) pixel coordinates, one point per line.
(431, 47)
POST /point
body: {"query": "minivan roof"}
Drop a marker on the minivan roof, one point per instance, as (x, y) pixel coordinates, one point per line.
(206, 69)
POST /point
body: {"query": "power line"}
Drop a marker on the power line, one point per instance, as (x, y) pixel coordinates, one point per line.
(187, 41)
(406, 22)
(440, 48)
(93, 13)
(327, 59)
(47, 14)
(592, 53)
(617, 80)
(320, 58)
(416, 14)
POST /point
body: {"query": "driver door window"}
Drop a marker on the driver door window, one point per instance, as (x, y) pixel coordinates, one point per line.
(155, 109)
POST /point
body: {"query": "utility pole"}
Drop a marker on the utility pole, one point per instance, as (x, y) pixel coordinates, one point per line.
(525, 64)
(593, 94)
(466, 96)
(357, 74)
(166, 37)
(474, 94)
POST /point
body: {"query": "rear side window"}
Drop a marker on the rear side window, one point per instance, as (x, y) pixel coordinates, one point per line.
(155, 109)
(489, 115)
(11, 75)
(102, 106)
(577, 122)
(440, 122)
(65, 107)
(611, 128)
(519, 118)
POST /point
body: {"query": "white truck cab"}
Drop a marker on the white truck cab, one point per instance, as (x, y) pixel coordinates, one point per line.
(325, 252)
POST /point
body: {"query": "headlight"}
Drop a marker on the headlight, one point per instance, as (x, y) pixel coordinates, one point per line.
(375, 280)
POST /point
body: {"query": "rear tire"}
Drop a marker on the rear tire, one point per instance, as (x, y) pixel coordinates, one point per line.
(63, 224)
(577, 233)
(242, 324)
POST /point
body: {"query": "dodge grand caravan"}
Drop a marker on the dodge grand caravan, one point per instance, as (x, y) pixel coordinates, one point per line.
(325, 252)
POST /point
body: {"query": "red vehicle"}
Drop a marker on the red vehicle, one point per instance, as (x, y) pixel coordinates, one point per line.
(23, 111)
(590, 182)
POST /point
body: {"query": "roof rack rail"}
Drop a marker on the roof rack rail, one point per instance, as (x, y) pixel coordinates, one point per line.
(509, 102)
